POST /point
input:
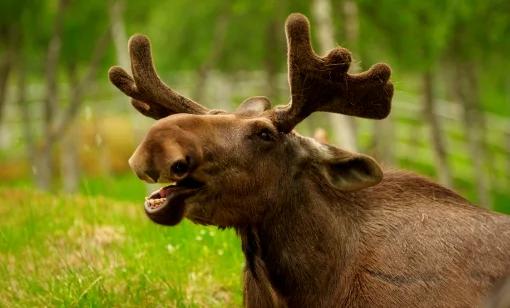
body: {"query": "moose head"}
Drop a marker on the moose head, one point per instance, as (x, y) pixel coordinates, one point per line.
(231, 169)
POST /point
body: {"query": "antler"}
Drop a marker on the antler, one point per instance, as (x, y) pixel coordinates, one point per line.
(322, 83)
(151, 96)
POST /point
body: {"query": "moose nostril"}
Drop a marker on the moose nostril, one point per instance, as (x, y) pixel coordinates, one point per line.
(179, 168)
(153, 174)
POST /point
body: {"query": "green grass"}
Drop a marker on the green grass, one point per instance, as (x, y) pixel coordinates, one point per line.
(93, 251)
(125, 186)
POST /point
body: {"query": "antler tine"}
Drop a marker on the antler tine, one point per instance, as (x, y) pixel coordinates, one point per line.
(151, 96)
(322, 83)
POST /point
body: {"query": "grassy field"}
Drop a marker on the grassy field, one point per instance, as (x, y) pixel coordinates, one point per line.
(97, 248)
(89, 250)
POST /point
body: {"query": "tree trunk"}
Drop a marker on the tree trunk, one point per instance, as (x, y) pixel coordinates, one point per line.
(45, 158)
(383, 141)
(66, 129)
(351, 31)
(118, 32)
(383, 132)
(79, 87)
(70, 160)
(25, 114)
(271, 60)
(5, 69)
(433, 121)
(69, 154)
(44, 167)
(344, 135)
(11, 45)
(466, 89)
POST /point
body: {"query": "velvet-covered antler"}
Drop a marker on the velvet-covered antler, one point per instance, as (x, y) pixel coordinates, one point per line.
(322, 83)
(151, 96)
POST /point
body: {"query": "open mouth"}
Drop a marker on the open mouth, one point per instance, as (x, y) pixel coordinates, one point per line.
(166, 205)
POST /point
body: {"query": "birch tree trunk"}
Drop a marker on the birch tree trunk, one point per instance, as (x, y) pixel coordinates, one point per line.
(383, 141)
(6, 61)
(66, 128)
(118, 33)
(69, 159)
(79, 86)
(10, 45)
(344, 135)
(383, 130)
(45, 166)
(351, 31)
(4, 76)
(25, 114)
(433, 121)
(271, 61)
(466, 89)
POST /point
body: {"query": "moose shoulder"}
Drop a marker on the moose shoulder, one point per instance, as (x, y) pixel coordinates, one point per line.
(320, 226)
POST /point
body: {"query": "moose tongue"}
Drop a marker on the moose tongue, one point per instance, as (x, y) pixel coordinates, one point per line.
(165, 191)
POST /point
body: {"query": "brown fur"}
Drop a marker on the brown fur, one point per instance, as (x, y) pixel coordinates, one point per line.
(320, 227)
(403, 243)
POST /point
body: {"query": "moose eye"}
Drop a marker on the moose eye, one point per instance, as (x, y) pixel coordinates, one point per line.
(266, 135)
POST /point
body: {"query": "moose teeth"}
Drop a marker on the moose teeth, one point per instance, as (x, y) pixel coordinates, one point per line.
(155, 203)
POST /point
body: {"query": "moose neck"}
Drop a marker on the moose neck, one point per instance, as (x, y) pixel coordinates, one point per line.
(306, 238)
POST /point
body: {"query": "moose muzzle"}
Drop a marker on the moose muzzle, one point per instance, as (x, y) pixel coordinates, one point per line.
(172, 162)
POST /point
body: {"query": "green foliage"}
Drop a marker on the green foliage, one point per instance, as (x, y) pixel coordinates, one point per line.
(13, 10)
(84, 23)
(414, 31)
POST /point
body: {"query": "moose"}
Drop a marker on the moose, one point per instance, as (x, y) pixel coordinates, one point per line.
(319, 226)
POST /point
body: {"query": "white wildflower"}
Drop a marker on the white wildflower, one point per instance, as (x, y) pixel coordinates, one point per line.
(170, 248)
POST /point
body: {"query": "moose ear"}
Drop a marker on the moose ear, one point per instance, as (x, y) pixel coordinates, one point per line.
(254, 105)
(352, 171)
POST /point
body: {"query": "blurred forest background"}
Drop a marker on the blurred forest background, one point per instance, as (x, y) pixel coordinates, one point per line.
(73, 231)
(62, 124)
